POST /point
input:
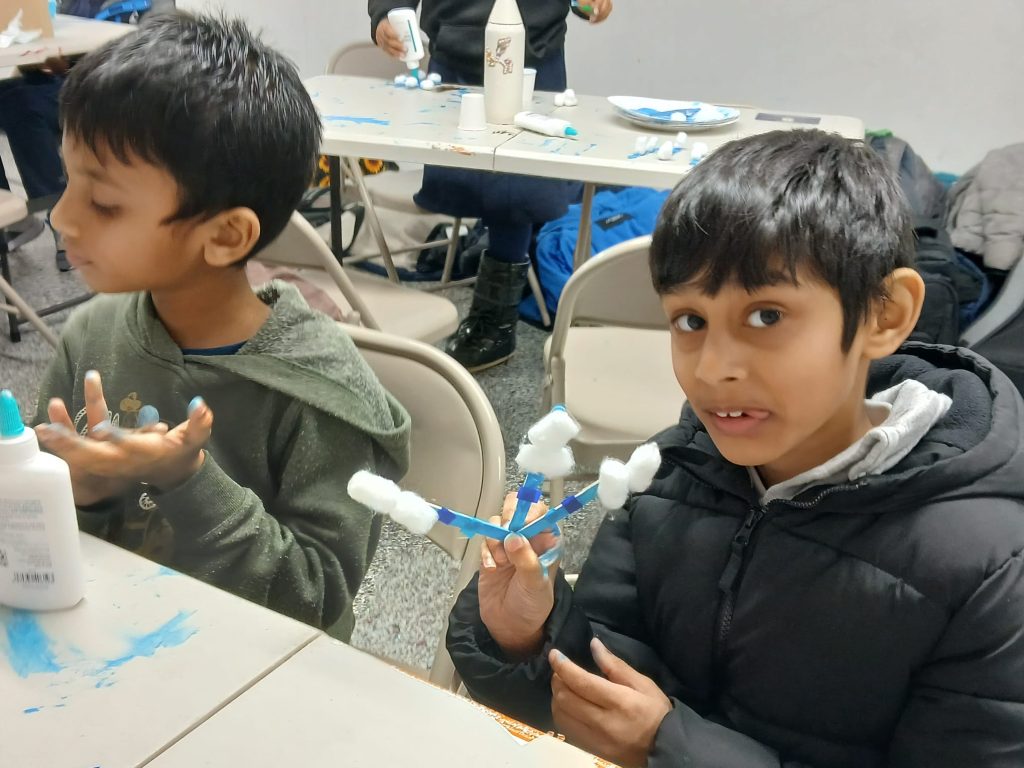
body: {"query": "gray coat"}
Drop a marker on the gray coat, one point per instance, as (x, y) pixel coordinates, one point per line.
(986, 213)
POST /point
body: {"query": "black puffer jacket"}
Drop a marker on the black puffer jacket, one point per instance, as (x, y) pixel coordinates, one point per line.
(879, 623)
(456, 29)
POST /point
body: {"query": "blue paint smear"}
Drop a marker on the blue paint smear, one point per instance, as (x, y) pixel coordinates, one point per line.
(356, 120)
(31, 710)
(28, 646)
(167, 636)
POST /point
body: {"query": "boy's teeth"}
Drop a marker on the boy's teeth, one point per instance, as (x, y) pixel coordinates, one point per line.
(735, 414)
(729, 414)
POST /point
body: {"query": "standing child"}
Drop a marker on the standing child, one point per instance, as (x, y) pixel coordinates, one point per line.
(188, 146)
(509, 205)
(828, 570)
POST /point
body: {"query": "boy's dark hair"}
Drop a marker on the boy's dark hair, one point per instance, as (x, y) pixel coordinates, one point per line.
(757, 209)
(204, 99)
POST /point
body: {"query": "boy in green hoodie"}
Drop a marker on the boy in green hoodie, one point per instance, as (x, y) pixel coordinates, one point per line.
(188, 146)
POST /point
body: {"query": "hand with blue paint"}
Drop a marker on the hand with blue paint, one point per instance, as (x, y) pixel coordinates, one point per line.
(516, 586)
(108, 460)
(89, 488)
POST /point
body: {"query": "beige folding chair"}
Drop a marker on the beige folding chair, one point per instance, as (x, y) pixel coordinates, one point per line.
(608, 357)
(458, 456)
(365, 299)
(12, 210)
(394, 190)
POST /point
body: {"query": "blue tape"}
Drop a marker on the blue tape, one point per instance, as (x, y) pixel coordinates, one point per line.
(572, 504)
(532, 495)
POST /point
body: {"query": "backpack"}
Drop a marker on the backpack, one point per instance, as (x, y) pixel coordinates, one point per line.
(939, 268)
(617, 215)
(955, 288)
(126, 11)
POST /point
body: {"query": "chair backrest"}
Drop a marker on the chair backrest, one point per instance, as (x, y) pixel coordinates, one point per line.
(299, 245)
(376, 302)
(612, 288)
(458, 455)
(12, 208)
(367, 60)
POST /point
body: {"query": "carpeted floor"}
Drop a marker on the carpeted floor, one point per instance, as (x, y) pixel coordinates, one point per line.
(401, 606)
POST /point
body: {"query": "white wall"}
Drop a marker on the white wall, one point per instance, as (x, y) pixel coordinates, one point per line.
(946, 75)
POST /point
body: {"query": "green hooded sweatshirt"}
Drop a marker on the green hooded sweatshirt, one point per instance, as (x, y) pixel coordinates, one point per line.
(296, 412)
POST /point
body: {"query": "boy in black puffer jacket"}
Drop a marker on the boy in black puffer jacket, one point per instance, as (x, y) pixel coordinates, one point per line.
(827, 571)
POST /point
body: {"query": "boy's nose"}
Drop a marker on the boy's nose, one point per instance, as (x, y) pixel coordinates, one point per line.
(59, 218)
(720, 360)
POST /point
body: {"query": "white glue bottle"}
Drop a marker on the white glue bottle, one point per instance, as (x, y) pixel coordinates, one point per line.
(504, 58)
(407, 27)
(40, 553)
(549, 126)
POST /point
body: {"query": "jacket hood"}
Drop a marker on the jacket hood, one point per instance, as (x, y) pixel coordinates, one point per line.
(302, 354)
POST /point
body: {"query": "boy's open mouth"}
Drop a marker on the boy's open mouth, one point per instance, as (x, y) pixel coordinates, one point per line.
(736, 421)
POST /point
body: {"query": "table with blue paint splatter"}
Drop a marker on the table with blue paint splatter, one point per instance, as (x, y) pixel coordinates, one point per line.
(147, 655)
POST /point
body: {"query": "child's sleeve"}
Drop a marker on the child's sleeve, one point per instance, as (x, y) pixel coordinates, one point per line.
(605, 602)
(966, 705)
(306, 551)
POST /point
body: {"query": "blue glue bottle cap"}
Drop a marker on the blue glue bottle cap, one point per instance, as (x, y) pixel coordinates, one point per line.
(570, 131)
(11, 425)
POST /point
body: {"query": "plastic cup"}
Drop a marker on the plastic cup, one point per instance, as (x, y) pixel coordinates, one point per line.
(529, 78)
(472, 116)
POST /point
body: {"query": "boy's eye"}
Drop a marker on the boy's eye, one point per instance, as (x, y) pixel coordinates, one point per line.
(103, 210)
(762, 318)
(689, 323)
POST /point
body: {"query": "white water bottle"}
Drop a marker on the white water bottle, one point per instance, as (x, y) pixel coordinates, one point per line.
(504, 58)
(40, 552)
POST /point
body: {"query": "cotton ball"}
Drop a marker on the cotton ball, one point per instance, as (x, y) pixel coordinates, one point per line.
(373, 491)
(677, 117)
(559, 99)
(427, 84)
(550, 461)
(435, 78)
(641, 144)
(570, 97)
(681, 138)
(708, 112)
(665, 151)
(411, 82)
(400, 79)
(698, 151)
(556, 429)
(652, 143)
(613, 484)
(413, 513)
(642, 466)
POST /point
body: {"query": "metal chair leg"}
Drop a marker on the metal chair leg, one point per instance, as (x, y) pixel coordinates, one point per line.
(5, 273)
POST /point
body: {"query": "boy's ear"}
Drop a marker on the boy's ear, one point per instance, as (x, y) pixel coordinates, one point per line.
(230, 236)
(897, 314)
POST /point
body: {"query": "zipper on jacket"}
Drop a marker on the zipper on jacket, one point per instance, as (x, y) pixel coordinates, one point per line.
(729, 582)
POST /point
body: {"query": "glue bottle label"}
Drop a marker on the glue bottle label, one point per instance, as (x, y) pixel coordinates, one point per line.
(24, 555)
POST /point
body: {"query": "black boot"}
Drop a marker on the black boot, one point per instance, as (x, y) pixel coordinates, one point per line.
(488, 334)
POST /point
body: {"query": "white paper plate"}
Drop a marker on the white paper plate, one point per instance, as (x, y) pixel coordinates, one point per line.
(672, 115)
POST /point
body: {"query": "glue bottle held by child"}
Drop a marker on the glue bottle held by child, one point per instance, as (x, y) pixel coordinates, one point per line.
(40, 555)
